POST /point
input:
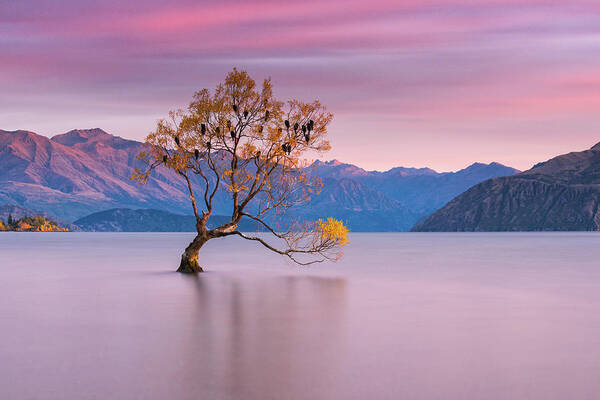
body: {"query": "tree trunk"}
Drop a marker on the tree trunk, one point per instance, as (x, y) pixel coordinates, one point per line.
(189, 258)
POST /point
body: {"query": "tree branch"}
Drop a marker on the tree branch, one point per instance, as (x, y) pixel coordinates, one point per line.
(289, 253)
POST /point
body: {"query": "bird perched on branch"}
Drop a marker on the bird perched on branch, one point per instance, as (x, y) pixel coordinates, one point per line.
(287, 148)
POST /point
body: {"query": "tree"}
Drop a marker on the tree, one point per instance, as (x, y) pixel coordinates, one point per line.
(241, 140)
(10, 220)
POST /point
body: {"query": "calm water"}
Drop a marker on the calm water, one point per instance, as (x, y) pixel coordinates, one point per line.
(404, 316)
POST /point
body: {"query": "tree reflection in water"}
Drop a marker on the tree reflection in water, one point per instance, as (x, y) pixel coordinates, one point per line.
(263, 337)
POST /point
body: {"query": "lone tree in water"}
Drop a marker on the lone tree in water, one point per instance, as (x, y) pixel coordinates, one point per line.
(243, 141)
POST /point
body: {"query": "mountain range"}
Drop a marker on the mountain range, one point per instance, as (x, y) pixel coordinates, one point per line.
(82, 172)
(561, 194)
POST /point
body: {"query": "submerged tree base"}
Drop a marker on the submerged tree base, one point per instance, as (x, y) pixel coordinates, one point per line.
(188, 266)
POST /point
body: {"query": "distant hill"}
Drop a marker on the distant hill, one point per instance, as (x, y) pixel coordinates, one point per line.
(128, 220)
(557, 195)
(85, 171)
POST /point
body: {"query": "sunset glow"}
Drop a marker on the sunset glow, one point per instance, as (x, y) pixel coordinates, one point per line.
(437, 83)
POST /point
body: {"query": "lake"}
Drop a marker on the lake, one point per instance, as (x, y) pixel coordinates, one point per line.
(403, 316)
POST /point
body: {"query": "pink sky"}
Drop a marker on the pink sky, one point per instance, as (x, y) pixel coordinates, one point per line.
(437, 83)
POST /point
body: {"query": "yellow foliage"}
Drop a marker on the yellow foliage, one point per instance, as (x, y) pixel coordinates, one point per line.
(33, 224)
(333, 230)
(23, 226)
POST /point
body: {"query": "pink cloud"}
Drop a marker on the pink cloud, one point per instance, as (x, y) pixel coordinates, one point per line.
(429, 65)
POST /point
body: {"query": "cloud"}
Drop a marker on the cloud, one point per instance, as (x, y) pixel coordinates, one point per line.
(429, 65)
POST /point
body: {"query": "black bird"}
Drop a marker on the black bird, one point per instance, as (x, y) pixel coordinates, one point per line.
(287, 123)
(284, 147)
(296, 127)
(235, 109)
(266, 115)
(177, 140)
(196, 154)
(303, 128)
(217, 130)
(245, 113)
(203, 128)
(260, 129)
(164, 159)
(307, 137)
(232, 133)
(311, 125)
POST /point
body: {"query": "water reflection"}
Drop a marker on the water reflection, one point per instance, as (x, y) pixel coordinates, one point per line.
(276, 335)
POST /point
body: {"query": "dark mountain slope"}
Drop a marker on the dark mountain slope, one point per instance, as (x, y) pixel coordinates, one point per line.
(128, 220)
(560, 194)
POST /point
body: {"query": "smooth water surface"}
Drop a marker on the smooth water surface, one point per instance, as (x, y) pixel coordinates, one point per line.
(403, 316)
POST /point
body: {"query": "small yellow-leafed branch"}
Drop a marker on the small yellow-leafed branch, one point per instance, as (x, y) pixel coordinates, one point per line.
(333, 230)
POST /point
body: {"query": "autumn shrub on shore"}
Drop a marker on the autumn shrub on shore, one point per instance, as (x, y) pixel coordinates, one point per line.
(31, 224)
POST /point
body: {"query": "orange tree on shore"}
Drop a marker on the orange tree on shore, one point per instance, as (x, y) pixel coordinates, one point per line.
(241, 140)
